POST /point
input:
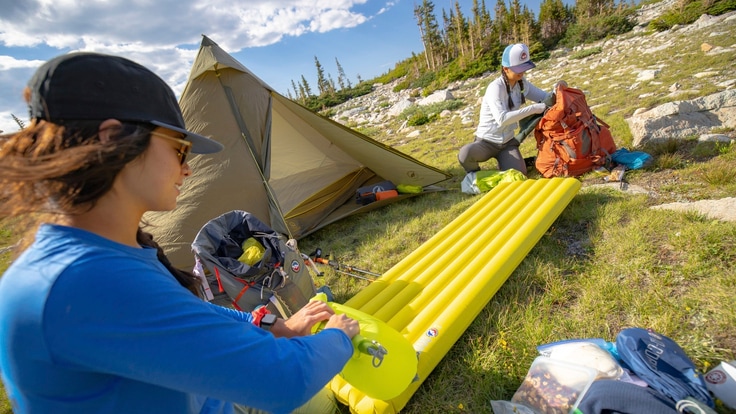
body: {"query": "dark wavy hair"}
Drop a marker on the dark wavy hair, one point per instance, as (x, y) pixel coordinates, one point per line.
(54, 169)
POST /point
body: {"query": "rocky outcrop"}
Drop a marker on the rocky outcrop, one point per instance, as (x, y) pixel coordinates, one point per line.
(679, 119)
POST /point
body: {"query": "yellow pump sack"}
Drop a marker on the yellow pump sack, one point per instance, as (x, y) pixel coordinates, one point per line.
(253, 252)
(384, 362)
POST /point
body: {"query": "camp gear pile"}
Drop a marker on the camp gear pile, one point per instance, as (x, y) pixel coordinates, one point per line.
(570, 139)
(642, 369)
(376, 192)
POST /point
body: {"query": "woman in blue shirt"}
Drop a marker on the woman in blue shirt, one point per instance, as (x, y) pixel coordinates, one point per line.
(94, 318)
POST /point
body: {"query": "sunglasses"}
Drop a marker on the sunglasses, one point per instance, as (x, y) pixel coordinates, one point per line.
(182, 152)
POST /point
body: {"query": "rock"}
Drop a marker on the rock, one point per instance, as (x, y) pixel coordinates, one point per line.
(714, 138)
(707, 74)
(723, 209)
(648, 75)
(680, 119)
(706, 47)
(400, 107)
(436, 97)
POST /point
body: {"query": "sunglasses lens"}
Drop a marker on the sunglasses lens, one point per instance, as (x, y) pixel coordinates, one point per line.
(183, 151)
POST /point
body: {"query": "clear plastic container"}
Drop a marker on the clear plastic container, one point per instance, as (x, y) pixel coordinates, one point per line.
(553, 386)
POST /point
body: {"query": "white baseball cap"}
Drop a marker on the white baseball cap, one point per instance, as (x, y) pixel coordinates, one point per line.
(516, 58)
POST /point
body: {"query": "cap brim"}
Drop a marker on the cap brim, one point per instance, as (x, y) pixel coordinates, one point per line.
(200, 144)
(523, 67)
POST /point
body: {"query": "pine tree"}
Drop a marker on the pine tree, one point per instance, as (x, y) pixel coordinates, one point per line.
(501, 22)
(449, 48)
(304, 87)
(302, 92)
(485, 28)
(461, 31)
(429, 32)
(588, 9)
(529, 31)
(342, 80)
(322, 84)
(296, 90)
(514, 22)
(331, 89)
(554, 19)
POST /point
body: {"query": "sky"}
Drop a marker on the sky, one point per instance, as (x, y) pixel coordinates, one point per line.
(277, 40)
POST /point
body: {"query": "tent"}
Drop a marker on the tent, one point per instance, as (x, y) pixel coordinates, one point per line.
(293, 169)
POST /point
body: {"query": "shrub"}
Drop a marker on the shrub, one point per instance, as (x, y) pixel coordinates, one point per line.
(417, 115)
(597, 28)
(690, 12)
(404, 84)
(586, 52)
(418, 118)
(424, 80)
(720, 7)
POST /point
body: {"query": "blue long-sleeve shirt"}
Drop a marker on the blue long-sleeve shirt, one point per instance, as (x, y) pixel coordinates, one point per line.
(88, 325)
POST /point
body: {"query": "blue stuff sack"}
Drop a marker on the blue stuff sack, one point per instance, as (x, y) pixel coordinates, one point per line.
(632, 160)
(662, 364)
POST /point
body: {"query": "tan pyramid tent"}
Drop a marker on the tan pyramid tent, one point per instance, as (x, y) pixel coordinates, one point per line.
(293, 169)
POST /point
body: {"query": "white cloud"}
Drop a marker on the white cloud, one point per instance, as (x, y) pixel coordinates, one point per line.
(9, 62)
(70, 24)
(163, 35)
(336, 19)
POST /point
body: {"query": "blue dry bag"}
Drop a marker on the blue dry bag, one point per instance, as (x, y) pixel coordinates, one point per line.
(632, 160)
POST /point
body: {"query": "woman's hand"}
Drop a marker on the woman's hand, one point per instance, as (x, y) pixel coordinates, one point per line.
(314, 312)
(301, 323)
(559, 82)
(344, 323)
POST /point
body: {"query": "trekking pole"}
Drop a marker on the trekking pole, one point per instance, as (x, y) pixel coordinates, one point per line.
(355, 269)
(354, 275)
(337, 269)
(319, 259)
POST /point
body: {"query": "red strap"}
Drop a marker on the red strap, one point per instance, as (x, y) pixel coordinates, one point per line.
(217, 276)
(242, 291)
(258, 315)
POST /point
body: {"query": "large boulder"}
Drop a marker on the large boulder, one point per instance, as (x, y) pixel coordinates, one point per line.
(436, 97)
(682, 119)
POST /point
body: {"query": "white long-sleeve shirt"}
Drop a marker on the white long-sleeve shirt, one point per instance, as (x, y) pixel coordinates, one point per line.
(497, 121)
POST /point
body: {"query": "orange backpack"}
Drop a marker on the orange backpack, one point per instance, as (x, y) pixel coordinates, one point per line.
(570, 139)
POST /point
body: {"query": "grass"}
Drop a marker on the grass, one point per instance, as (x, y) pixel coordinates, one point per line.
(608, 262)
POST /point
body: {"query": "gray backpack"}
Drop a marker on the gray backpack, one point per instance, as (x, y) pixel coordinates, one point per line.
(279, 280)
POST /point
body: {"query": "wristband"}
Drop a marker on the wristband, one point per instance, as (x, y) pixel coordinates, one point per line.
(268, 321)
(258, 315)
